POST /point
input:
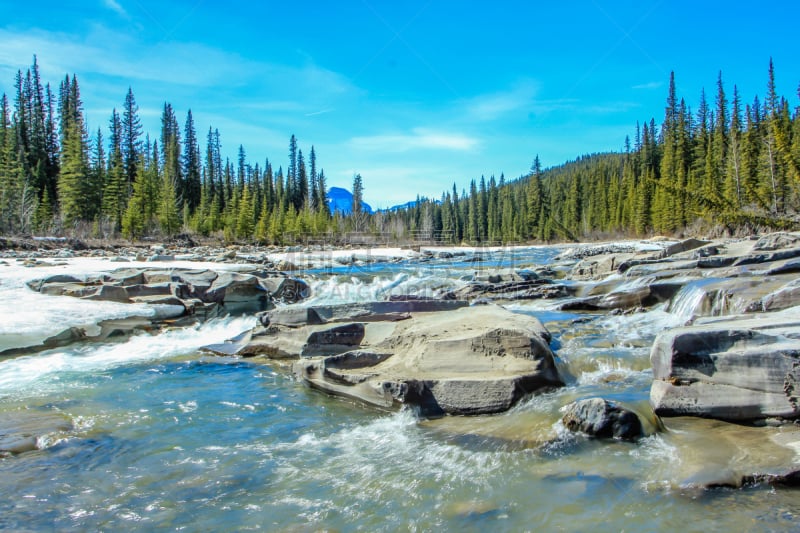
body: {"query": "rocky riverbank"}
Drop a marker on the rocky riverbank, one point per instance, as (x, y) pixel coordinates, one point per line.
(458, 351)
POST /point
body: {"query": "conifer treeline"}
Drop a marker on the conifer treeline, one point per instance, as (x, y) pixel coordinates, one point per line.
(728, 163)
(55, 178)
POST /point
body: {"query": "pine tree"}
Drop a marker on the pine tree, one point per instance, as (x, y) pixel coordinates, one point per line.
(168, 211)
(131, 136)
(72, 184)
(191, 165)
(115, 187)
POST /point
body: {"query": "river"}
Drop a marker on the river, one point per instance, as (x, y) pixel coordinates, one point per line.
(167, 437)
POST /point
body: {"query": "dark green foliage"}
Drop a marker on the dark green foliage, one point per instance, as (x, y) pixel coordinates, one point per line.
(727, 164)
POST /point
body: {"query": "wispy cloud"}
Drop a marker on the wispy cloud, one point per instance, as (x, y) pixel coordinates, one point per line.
(648, 85)
(320, 112)
(491, 106)
(111, 53)
(114, 6)
(418, 139)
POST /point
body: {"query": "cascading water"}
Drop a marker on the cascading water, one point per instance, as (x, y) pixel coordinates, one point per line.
(690, 301)
(166, 437)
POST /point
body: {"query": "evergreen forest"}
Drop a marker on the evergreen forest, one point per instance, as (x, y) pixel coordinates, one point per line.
(727, 166)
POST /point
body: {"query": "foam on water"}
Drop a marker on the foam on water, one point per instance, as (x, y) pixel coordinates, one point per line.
(28, 317)
(43, 372)
(343, 289)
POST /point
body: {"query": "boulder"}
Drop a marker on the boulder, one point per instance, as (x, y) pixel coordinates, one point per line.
(739, 369)
(230, 287)
(777, 241)
(472, 360)
(284, 289)
(683, 246)
(603, 419)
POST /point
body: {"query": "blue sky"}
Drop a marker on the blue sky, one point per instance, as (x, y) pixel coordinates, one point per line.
(413, 95)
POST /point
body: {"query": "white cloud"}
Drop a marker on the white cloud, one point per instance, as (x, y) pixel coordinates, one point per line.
(115, 54)
(114, 6)
(492, 106)
(418, 139)
(648, 85)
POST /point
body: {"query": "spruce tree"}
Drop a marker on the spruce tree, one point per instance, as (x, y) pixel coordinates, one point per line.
(131, 142)
(191, 165)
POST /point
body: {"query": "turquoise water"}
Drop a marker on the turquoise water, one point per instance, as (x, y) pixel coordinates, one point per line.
(168, 438)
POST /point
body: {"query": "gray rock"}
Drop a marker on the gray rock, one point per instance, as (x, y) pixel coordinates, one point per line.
(109, 293)
(473, 360)
(630, 298)
(232, 287)
(782, 298)
(161, 257)
(734, 369)
(777, 241)
(530, 289)
(602, 419)
(333, 340)
(362, 312)
(683, 246)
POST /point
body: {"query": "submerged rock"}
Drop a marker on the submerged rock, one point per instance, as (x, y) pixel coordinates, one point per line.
(603, 419)
(24, 431)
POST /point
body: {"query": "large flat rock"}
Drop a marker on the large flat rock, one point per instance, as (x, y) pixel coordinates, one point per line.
(736, 368)
(473, 360)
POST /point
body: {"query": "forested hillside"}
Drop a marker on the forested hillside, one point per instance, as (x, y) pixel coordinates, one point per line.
(727, 164)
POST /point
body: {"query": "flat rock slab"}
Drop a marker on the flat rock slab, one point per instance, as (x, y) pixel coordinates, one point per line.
(472, 360)
(737, 368)
(298, 316)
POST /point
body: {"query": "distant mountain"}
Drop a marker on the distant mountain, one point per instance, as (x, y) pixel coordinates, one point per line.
(398, 207)
(341, 200)
(409, 205)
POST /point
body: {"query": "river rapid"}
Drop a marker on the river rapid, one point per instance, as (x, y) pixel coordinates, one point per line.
(165, 436)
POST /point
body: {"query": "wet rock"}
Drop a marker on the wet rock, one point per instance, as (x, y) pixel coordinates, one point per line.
(472, 360)
(624, 299)
(734, 296)
(24, 431)
(530, 289)
(734, 369)
(603, 419)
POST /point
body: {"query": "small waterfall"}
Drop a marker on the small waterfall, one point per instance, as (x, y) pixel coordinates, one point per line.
(690, 301)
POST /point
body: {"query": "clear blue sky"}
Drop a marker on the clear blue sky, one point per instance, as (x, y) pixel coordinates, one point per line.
(413, 95)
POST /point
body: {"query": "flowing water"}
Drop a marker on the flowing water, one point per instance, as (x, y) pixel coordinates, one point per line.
(166, 437)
